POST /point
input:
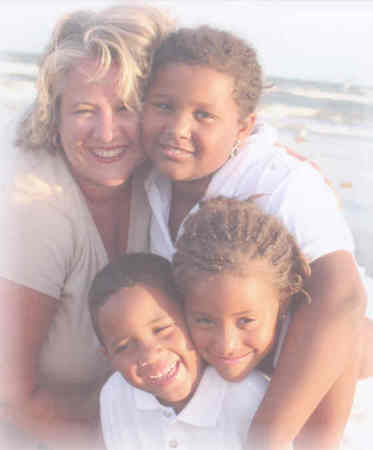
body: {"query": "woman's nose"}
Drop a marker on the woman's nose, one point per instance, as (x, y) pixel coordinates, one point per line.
(105, 127)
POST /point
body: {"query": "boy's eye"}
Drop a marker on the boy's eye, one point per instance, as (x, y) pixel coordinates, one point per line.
(203, 115)
(161, 330)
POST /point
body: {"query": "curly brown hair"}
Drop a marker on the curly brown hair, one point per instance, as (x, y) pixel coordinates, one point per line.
(130, 269)
(219, 50)
(225, 235)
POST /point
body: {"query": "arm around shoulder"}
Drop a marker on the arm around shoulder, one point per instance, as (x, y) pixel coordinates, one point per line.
(320, 344)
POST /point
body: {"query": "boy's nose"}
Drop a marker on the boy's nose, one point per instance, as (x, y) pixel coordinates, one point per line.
(147, 355)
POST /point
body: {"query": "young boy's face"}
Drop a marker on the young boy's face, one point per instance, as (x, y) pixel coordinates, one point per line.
(147, 341)
(190, 121)
(232, 321)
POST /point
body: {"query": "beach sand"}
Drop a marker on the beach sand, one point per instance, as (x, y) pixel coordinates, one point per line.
(348, 163)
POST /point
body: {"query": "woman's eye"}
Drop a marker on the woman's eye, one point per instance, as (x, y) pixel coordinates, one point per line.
(83, 111)
(121, 348)
(122, 108)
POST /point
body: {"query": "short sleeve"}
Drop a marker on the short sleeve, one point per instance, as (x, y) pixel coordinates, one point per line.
(35, 239)
(310, 210)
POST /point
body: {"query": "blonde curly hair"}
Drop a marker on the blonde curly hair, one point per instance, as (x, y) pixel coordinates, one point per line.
(126, 35)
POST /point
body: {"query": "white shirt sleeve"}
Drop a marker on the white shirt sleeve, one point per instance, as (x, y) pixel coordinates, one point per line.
(310, 210)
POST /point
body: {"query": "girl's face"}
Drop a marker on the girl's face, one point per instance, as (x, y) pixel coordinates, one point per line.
(146, 339)
(232, 321)
(98, 134)
(190, 121)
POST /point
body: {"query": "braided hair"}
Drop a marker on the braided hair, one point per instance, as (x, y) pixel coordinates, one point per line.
(226, 235)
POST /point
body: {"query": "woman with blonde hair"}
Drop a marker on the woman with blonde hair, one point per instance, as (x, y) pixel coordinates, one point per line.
(75, 202)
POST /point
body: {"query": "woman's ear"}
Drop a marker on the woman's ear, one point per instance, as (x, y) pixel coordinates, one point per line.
(246, 127)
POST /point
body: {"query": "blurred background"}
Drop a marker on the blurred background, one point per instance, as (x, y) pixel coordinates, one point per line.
(318, 64)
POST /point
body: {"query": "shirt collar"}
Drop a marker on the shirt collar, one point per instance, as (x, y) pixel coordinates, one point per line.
(202, 410)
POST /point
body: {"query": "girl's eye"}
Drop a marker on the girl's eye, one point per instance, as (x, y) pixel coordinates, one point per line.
(203, 115)
(203, 321)
(162, 106)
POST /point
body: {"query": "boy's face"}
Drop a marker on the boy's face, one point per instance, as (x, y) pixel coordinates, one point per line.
(147, 341)
(190, 121)
(232, 321)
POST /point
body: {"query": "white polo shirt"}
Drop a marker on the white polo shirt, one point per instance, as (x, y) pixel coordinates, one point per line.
(217, 417)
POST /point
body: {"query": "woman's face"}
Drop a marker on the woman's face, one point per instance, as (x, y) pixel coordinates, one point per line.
(98, 134)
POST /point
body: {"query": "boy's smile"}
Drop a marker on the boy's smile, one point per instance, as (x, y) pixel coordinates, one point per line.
(147, 341)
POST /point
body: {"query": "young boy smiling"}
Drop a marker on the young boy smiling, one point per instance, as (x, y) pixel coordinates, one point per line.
(161, 395)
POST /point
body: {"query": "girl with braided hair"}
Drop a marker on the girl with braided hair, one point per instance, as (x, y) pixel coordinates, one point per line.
(241, 275)
(231, 253)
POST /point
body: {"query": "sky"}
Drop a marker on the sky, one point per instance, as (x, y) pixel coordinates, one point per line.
(319, 40)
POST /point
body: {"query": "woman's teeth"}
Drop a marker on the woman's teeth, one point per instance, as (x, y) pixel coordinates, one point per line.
(112, 153)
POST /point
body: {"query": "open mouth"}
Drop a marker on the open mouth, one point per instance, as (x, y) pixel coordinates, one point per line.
(166, 375)
(109, 154)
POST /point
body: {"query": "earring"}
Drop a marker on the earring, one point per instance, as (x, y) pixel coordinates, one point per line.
(235, 149)
(142, 364)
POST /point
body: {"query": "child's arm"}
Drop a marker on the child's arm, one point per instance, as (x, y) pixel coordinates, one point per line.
(321, 340)
(324, 429)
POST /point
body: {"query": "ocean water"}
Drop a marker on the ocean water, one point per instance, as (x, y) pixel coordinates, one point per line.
(330, 123)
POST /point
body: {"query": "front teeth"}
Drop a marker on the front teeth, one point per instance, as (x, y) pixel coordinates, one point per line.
(108, 153)
(165, 374)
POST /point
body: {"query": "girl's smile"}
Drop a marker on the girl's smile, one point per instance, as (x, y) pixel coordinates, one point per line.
(232, 320)
(191, 121)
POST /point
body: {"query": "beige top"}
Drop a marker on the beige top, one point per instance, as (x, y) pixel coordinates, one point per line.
(50, 243)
